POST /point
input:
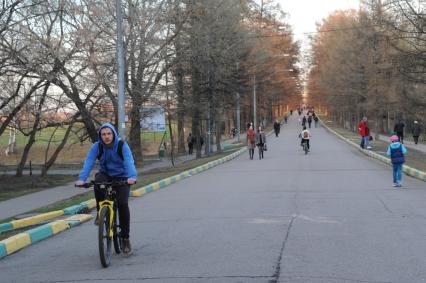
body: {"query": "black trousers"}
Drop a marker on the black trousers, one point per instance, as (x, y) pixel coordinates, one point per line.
(400, 136)
(305, 140)
(416, 139)
(122, 197)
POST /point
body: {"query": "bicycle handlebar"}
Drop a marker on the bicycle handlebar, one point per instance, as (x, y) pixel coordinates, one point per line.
(107, 184)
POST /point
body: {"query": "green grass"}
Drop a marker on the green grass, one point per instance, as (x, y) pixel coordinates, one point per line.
(43, 136)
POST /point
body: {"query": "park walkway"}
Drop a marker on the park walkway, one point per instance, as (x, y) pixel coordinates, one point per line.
(29, 202)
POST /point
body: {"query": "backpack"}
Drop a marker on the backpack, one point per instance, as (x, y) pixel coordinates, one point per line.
(119, 149)
(305, 135)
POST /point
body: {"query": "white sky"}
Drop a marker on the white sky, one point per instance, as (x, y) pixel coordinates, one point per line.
(303, 14)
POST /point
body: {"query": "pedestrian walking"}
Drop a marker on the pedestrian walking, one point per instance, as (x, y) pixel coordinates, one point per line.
(304, 121)
(250, 142)
(285, 119)
(260, 140)
(190, 142)
(316, 121)
(416, 130)
(309, 121)
(399, 130)
(364, 132)
(277, 128)
(397, 152)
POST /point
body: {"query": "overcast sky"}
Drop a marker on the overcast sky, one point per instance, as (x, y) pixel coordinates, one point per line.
(304, 13)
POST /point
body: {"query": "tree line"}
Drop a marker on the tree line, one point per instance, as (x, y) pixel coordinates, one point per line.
(195, 58)
(371, 62)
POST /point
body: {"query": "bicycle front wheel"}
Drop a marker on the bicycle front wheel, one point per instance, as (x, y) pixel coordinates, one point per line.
(117, 240)
(104, 237)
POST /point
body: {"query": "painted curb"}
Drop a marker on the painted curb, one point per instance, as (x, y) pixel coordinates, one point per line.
(24, 239)
(33, 220)
(185, 174)
(409, 171)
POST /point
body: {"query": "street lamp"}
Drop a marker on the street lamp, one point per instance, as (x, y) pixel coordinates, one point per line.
(120, 62)
(254, 103)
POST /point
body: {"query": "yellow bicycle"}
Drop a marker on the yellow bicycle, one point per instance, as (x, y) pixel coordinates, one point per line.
(109, 231)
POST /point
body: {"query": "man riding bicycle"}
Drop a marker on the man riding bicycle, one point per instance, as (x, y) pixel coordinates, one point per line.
(115, 164)
(305, 135)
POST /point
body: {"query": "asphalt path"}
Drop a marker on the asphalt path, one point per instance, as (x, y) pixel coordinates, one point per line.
(329, 216)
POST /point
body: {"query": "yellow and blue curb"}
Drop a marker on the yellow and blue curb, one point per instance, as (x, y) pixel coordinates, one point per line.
(409, 171)
(33, 220)
(24, 239)
(188, 173)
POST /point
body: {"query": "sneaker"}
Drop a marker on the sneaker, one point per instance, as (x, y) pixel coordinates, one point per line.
(395, 185)
(399, 185)
(369, 147)
(127, 248)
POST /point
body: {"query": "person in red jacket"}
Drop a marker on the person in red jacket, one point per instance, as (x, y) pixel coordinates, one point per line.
(364, 132)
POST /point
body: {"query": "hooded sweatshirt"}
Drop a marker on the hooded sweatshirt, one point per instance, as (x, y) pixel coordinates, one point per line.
(110, 162)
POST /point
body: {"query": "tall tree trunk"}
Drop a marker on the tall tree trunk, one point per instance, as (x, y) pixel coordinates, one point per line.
(218, 132)
(135, 131)
(51, 161)
(31, 140)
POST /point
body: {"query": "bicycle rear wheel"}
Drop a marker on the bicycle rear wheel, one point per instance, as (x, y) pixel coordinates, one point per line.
(117, 240)
(104, 238)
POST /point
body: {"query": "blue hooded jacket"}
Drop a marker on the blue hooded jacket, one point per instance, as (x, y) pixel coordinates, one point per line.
(110, 162)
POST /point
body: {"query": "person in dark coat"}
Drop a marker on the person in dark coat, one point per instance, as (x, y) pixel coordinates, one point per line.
(399, 130)
(277, 127)
(190, 141)
(416, 130)
(304, 121)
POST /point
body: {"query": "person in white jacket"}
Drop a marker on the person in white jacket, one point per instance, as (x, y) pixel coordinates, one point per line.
(305, 135)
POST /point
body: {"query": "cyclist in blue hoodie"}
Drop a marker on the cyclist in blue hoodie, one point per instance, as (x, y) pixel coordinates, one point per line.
(396, 151)
(115, 164)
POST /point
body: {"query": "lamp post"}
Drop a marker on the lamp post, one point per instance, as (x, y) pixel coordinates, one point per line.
(254, 102)
(120, 79)
(238, 117)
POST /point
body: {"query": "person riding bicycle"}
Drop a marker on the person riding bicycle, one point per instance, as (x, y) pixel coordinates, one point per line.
(113, 166)
(305, 135)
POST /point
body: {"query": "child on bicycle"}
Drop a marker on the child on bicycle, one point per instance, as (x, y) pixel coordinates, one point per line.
(305, 135)
(115, 164)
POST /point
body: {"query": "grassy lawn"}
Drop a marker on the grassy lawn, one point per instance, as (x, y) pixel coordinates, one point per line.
(414, 158)
(43, 136)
